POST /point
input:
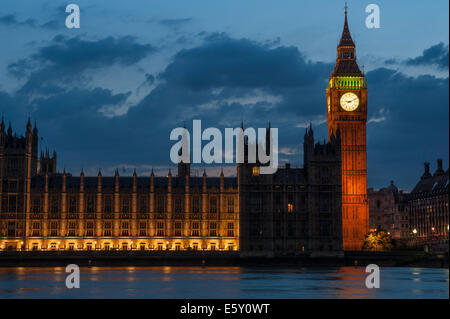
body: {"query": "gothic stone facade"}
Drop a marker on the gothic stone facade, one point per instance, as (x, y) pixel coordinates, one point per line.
(427, 205)
(295, 211)
(387, 211)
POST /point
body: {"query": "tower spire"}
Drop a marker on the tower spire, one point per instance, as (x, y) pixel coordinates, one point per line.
(346, 57)
(346, 38)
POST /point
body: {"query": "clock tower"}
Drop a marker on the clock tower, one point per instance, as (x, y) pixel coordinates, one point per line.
(347, 112)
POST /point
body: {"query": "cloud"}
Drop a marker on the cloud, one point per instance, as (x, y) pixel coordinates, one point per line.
(175, 23)
(222, 81)
(436, 55)
(66, 60)
(223, 61)
(53, 24)
(11, 20)
(379, 117)
(408, 124)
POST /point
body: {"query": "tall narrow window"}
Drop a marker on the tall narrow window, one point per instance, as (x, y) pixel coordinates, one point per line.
(160, 229)
(72, 205)
(54, 206)
(230, 205)
(142, 229)
(290, 207)
(213, 205)
(161, 206)
(54, 229)
(108, 204)
(89, 229)
(36, 229)
(195, 229)
(143, 205)
(90, 204)
(125, 205)
(12, 208)
(107, 229)
(125, 229)
(11, 229)
(212, 229)
(177, 229)
(72, 229)
(178, 205)
(196, 204)
(230, 230)
(36, 205)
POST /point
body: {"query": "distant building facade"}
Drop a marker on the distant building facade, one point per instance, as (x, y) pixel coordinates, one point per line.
(428, 206)
(387, 211)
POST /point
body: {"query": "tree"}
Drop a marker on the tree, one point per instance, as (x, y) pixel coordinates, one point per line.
(378, 241)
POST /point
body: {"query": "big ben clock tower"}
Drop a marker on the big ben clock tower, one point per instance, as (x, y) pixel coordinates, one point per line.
(347, 112)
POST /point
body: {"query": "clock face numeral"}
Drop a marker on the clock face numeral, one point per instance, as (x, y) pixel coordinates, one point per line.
(349, 101)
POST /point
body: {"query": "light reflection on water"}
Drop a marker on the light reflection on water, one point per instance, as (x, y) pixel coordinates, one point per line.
(223, 282)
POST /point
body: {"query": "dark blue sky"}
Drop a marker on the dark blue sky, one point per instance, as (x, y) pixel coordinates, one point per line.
(108, 94)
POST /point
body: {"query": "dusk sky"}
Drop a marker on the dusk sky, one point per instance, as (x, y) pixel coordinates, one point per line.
(108, 94)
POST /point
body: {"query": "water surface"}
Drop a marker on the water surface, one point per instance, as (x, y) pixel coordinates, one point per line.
(223, 282)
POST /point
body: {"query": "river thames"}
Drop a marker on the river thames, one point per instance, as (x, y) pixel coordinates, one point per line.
(223, 282)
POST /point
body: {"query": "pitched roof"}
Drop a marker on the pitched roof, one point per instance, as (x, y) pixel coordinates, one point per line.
(436, 184)
(346, 38)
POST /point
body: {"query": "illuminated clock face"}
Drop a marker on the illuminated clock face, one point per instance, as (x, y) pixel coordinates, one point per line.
(349, 101)
(329, 104)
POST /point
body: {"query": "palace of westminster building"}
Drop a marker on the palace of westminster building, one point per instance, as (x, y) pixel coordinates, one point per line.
(320, 208)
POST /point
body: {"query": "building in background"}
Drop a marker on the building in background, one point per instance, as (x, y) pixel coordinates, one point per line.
(428, 207)
(294, 211)
(387, 211)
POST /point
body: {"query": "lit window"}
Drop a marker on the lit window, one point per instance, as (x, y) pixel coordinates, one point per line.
(255, 171)
(290, 208)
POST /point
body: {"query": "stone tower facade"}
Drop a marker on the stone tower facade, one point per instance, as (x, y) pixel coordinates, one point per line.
(296, 210)
(347, 111)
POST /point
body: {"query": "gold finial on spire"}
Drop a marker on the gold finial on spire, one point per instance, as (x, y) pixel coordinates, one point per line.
(346, 7)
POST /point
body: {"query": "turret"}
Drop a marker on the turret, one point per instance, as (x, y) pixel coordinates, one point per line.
(2, 133)
(439, 170)
(184, 160)
(134, 181)
(116, 181)
(222, 187)
(99, 181)
(9, 129)
(426, 168)
(82, 181)
(204, 181)
(64, 177)
(169, 181)
(152, 182)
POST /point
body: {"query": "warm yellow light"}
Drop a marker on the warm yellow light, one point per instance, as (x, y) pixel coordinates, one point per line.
(414, 231)
(255, 171)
